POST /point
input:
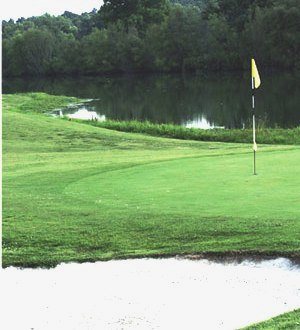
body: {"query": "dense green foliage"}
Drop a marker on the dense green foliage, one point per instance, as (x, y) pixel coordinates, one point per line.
(264, 135)
(138, 14)
(144, 35)
(73, 192)
(283, 322)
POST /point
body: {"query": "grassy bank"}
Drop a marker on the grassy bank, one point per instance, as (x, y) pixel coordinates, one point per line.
(264, 135)
(74, 192)
(283, 322)
(36, 102)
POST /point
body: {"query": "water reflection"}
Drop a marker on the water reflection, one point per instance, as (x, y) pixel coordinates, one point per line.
(220, 100)
(79, 112)
(200, 122)
(85, 113)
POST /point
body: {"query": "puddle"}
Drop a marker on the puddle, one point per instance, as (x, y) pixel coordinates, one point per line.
(149, 294)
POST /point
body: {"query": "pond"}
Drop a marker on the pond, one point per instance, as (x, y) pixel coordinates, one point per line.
(192, 101)
(173, 293)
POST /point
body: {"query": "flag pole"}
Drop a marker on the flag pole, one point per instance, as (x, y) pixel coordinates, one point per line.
(255, 83)
(253, 125)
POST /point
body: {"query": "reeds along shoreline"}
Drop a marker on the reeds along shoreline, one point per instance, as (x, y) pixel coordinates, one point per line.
(264, 135)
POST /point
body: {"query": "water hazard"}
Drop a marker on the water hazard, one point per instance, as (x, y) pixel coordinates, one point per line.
(150, 294)
(192, 101)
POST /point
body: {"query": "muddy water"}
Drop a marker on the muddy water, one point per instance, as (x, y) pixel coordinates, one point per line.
(149, 294)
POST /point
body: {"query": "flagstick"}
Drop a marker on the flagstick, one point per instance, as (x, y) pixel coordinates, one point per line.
(253, 120)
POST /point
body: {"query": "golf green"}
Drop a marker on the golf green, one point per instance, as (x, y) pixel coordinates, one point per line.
(207, 186)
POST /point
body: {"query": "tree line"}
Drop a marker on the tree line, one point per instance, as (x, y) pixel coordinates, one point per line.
(155, 36)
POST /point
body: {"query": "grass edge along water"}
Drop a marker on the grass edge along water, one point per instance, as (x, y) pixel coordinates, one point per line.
(264, 135)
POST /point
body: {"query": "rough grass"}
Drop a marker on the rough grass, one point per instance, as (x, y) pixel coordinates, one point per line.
(264, 135)
(36, 102)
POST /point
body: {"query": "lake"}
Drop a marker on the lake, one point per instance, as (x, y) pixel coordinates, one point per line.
(192, 101)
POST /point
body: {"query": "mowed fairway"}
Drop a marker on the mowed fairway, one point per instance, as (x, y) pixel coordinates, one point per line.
(73, 192)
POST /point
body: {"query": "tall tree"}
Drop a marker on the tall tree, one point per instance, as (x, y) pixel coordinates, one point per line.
(181, 40)
(33, 52)
(134, 13)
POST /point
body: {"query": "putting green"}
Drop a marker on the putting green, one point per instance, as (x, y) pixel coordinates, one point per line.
(204, 186)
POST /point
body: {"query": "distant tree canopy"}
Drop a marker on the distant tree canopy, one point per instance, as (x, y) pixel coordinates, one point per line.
(155, 35)
(134, 13)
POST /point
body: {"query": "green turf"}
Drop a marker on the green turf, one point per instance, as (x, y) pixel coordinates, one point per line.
(36, 102)
(76, 192)
(288, 321)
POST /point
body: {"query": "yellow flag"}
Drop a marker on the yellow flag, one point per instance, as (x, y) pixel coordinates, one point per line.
(254, 74)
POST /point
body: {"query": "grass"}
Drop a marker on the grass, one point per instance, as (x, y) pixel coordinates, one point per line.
(264, 135)
(36, 102)
(86, 193)
(283, 322)
(74, 192)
